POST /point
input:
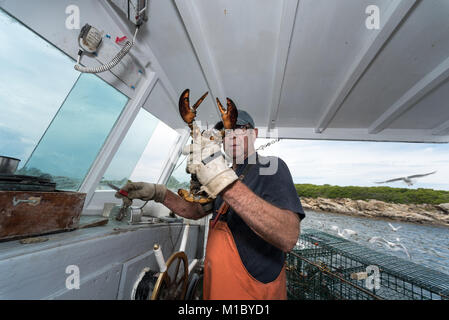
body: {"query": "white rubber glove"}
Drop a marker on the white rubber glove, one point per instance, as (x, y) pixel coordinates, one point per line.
(207, 162)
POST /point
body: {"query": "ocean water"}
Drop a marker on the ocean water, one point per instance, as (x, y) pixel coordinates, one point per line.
(427, 245)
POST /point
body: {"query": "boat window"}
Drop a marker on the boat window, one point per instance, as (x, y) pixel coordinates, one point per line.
(179, 178)
(156, 155)
(74, 138)
(53, 119)
(142, 153)
(35, 79)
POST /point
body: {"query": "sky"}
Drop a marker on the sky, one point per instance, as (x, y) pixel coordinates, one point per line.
(350, 163)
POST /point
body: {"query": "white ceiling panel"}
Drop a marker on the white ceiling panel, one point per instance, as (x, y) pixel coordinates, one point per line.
(323, 64)
(328, 36)
(429, 113)
(419, 46)
(242, 43)
(168, 39)
(158, 104)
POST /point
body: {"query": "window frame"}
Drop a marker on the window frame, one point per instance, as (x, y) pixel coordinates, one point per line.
(137, 98)
(99, 197)
(115, 138)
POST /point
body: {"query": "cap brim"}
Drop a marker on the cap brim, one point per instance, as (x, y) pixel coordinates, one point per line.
(243, 123)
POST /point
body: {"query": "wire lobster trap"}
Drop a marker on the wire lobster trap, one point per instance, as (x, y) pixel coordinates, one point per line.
(326, 267)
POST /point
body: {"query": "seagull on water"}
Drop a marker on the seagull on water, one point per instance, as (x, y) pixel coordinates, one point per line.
(390, 245)
(345, 233)
(394, 228)
(408, 180)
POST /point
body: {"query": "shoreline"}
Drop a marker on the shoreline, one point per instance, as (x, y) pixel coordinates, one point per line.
(424, 214)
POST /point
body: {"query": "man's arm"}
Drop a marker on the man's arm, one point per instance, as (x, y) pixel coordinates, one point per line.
(182, 207)
(158, 192)
(277, 226)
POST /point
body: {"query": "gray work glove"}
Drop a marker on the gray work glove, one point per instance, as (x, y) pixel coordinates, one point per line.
(143, 191)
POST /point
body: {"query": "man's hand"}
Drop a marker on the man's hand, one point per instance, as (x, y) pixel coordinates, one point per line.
(207, 162)
(143, 191)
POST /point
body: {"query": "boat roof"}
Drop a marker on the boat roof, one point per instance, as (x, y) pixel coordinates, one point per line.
(310, 69)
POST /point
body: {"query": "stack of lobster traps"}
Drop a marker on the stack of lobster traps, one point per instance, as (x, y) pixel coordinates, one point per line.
(326, 267)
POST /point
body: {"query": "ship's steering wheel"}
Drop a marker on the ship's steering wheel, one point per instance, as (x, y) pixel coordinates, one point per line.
(172, 283)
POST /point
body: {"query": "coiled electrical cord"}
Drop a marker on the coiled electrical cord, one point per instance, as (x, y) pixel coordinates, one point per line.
(122, 53)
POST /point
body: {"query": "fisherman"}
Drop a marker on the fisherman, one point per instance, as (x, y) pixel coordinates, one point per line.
(260, 214)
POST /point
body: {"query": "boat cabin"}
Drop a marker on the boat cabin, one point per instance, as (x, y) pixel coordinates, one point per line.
(355, 70)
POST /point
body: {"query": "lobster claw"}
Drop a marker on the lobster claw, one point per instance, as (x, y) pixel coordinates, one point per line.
(188, 114)
(229, 116)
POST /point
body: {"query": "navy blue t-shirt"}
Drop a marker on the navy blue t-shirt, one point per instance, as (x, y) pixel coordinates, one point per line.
(261, 259)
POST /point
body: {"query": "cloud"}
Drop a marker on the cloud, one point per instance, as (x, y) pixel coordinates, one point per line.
(362, 163)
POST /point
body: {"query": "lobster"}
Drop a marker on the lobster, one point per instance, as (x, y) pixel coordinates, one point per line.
(188, 114)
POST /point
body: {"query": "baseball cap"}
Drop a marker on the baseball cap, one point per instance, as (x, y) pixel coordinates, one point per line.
(243, 118)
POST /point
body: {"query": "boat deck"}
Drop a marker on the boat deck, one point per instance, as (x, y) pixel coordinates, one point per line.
(109, 259)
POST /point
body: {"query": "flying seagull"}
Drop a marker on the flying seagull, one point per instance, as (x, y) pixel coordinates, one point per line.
(346, 233)
(394, 228)
(390, 245)
(408, 180)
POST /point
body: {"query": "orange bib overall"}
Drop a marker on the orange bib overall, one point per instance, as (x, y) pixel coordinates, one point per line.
(225, 276)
